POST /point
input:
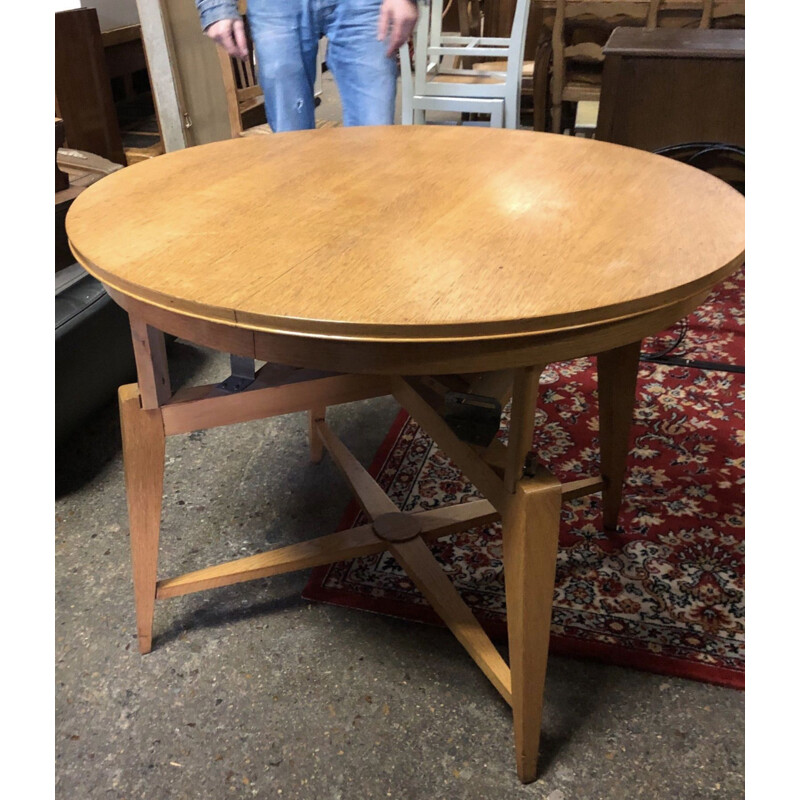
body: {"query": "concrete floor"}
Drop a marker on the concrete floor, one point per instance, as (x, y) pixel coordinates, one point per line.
(252, 692)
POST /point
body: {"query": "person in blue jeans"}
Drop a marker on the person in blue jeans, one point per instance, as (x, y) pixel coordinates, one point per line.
(363, 38)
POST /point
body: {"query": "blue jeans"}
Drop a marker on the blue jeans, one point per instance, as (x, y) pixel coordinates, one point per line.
(286, 36)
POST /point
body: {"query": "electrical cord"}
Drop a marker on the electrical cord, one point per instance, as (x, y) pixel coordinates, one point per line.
(691, 153)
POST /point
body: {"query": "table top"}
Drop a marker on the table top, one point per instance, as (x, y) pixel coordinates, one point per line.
(407, 234)
(676, 42)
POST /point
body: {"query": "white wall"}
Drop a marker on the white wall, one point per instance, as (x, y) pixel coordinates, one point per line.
(113, 13)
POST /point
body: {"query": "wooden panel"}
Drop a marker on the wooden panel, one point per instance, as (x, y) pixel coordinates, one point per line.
(197, 65)
(62, 179)
(82, 87)
(164, 79)
(121, 35)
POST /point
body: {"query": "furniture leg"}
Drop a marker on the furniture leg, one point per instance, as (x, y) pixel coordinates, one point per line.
(541, 80)
(555, 118)
(152, 365)
(530, 547)
(421, 566)
(315, 443)
(143, 443)
(617, 370)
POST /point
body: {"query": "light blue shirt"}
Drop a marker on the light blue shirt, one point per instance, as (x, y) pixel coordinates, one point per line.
(212, 11)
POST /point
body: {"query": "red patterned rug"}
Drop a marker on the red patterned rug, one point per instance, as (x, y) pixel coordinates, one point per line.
(666, 593)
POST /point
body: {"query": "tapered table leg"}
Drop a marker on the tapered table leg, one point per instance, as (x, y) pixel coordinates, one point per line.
(616, 383)
(143, 443)
(315, 444)
(530, 547)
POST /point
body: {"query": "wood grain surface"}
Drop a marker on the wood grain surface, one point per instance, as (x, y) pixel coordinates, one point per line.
(408, 233)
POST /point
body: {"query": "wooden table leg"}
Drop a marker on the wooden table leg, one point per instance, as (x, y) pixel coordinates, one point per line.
(143, 446)
(616, 383)
(530, 547)
(531, 512)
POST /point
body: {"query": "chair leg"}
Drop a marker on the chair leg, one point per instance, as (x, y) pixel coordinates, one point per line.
(497, 116)
(143, 444)
(530, 547)
(617, 371)
(541, 85)
(555, 118)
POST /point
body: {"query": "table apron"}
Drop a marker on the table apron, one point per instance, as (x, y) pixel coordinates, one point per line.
(412, 358)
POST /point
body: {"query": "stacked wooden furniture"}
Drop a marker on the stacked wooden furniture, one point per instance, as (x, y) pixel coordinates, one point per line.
(577, 56)
(546, 36)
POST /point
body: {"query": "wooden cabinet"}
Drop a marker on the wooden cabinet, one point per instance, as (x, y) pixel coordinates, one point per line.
(664, 87)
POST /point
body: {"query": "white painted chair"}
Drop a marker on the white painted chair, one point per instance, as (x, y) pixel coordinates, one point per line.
(436, 87)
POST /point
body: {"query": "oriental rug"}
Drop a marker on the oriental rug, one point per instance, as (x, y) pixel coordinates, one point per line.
(665, 593)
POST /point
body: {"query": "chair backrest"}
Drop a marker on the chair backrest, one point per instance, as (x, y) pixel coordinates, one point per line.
(605, 15)
(428, 44)
(469, 16)
(516, 56)
(585, 40)
(428, 34)
(713, 11)
(240, 78)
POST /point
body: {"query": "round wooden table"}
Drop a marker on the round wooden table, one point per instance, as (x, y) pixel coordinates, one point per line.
(446, 266)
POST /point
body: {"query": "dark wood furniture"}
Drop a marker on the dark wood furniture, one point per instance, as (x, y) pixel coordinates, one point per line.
(62, 179)
(727, 14)
(665, 87)
(125, 56)
(83, 91)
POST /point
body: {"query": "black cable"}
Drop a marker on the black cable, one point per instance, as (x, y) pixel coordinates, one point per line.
(684, 325)
(717, 366)
(695, 151)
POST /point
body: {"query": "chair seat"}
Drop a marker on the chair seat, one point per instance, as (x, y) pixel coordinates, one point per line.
(583, 82)
(471, 79)
(499, 66)
(575, 92)
(251, 103)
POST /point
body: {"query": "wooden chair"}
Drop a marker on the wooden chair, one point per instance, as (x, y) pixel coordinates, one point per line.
(714, 13)
(242, 90)
(580, 30)
(240, 78)
(436, 86)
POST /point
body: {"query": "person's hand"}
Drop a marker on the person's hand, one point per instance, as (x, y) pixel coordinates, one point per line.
(230, 34)
(397, 16)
